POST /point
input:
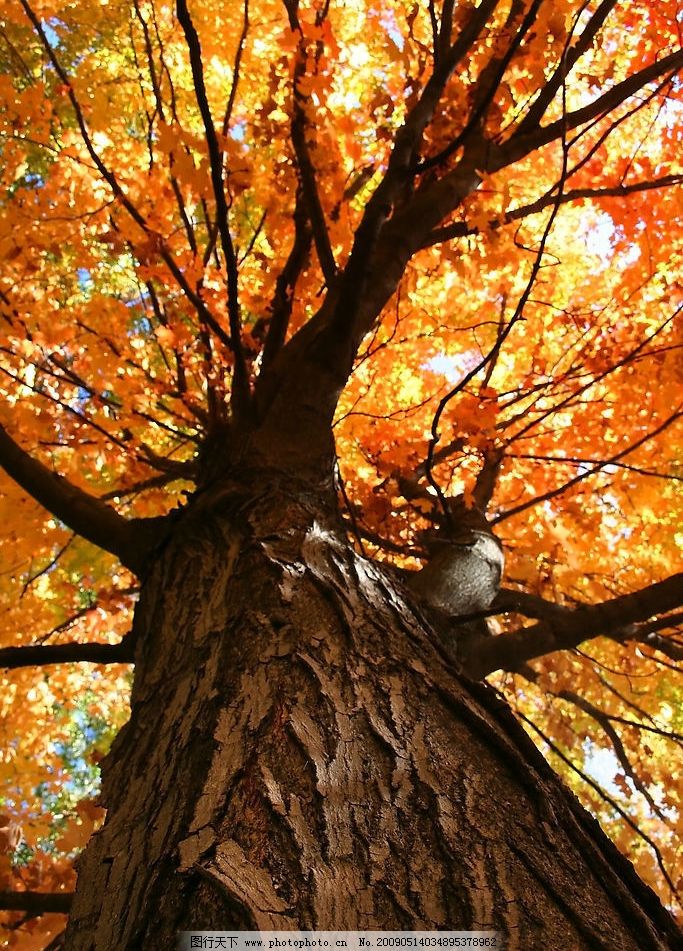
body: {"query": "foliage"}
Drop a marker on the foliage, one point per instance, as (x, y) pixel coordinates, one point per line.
(528, 352)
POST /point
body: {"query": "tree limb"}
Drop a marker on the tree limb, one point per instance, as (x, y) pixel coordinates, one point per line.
(523, 142)
(647, 635)
(530, 605)
(571, 627)
(400, 169)
(620, 752)
(240, 396)
(37, 903)
(434, 201)
(546, 95)
(487, 84)
(307, 175)
(283, 298)
(131, 540)
(39, 655)
(394, 227)
(460, 229)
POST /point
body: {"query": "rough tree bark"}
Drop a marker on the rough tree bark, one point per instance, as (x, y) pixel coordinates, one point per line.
(302, 754)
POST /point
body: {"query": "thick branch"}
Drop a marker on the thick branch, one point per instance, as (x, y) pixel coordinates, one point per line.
(582, 45)
(522, 142)
(240, 394)
(487, 84)
(283, 298)
(131, 540)
(390, 233)
(39, 655)
(434, 201)
(37, 903)
(400, 170)
(570, 628)
(530, 605)
(327, 343)
(305, 166)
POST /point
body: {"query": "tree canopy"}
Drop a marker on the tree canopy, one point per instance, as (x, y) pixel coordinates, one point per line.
(464, 224)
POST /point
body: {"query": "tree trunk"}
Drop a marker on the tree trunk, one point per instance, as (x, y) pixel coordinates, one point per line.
(302, 754)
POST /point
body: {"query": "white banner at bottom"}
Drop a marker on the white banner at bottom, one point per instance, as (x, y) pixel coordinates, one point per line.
(338, 940)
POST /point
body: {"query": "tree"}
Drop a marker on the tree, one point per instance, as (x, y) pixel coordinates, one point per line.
(279, 283)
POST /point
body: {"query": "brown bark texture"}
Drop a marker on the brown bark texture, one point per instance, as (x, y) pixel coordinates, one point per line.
(303, 754)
